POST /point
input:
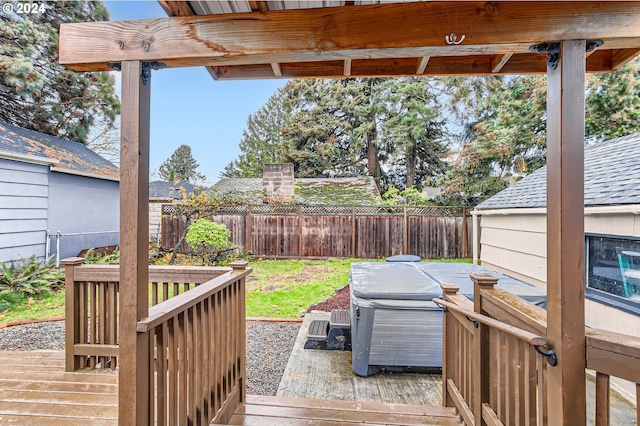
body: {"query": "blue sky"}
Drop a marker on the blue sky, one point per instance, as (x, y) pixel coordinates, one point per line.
(189, 107)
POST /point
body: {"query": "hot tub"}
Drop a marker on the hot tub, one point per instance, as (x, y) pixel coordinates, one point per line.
(394, 323)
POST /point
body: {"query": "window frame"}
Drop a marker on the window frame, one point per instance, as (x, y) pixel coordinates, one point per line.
(602, 297)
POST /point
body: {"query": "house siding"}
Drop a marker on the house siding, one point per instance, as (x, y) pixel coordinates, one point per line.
(24, 190)
(516, 245)
(79, 204)
(155, 221)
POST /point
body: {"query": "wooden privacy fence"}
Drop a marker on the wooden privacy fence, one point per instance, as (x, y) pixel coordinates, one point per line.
(282, 231)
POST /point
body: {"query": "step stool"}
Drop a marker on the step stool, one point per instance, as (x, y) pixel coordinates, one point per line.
(317, 337)
(334, 334)
(339, 337)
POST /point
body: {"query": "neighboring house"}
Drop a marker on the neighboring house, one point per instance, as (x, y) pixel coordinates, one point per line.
(161, 193)
(279, 185)
(513, 233)
(49, 183)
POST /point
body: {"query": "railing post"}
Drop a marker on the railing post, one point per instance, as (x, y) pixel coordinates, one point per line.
(449, 357)
(72, 322)
(240, 266)
(481, 347)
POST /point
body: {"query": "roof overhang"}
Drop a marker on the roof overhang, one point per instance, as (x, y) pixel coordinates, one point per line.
(388, 39)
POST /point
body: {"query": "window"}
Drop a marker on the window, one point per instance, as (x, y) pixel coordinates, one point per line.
(613, 271)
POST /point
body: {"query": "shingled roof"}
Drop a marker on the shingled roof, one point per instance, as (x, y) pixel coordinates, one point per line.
(311, 191)
(611, 177)
(163, 190)
(62, 155)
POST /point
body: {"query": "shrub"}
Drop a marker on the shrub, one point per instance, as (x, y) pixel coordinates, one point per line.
(107, 259)
(30, 276)
(211, 238)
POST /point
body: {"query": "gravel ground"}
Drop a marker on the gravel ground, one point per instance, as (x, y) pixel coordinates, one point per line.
(269, 345)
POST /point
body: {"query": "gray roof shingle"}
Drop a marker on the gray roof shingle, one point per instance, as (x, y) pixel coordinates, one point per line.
(162, 190)
(69, 156)
(611, 176)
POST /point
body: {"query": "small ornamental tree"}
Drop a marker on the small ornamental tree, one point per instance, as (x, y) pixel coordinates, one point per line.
(212, 237)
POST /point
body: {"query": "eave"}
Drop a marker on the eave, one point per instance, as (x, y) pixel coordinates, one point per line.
(388, 39)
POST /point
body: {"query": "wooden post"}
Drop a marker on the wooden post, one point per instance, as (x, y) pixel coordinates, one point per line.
(481, 380)
(300, 231)
(240, 266)
(448, 344)
(134, 383)
(405, 232)
(72, 322)
(565, 235)
(465, 238)
(353, 233)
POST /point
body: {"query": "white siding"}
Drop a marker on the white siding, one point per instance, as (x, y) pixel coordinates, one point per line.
(155, 221)
(24, 189)
(516, 245)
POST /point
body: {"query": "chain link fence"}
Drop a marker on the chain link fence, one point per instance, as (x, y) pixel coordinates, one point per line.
(60, 246)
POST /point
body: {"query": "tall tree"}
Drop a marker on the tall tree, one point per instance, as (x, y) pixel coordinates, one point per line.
(35, 91)
(180, 167)
(504, 121)
(262, 139)
(414, 128)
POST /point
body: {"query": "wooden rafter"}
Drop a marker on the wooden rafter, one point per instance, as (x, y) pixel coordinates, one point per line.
(620, 58)
(499, 61)
(339, 33)
(422, 64)
(276, 69)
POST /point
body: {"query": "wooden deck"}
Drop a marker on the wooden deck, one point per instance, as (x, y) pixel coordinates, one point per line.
(260, 410)
(35, 389)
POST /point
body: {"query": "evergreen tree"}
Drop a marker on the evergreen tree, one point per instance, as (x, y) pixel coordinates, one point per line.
(180, 167)
(39, 94)
(504, 121)
(262, 139)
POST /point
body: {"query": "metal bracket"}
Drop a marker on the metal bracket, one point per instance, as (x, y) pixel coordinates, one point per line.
(146, 70)
(551, 356)
(474, 322)
(147, 66)
(553, 51)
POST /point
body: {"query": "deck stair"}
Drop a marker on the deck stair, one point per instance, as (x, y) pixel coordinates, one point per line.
(263, 410)
(334, 334)
(35, 390)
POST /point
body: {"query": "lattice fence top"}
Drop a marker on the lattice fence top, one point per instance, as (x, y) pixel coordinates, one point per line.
(267, 209)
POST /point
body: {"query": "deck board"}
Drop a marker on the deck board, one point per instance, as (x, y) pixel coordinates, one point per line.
(35, 390)
(329, 375)
(293, 411)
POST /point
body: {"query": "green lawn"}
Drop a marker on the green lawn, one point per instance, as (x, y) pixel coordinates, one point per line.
(276, 288)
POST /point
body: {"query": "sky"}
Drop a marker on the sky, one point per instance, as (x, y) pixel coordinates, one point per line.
(189, 107)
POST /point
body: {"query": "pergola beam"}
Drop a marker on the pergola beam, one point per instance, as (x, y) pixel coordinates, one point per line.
(306, 35)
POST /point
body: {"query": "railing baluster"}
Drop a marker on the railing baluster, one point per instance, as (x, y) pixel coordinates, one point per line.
(161, 369)
(602, 399)
(154, 293)
(102, 320)
(182, 350)
(172, 381)
(165, 291)
(92, 326)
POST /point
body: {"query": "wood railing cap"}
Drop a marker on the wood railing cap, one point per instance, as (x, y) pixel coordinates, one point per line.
(72, 261)
(449, 288)
(483, 279)
(239, 264)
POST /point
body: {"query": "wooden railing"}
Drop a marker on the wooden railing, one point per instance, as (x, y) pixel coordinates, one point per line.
(492, 372)
(92, 293)
(490, 368)
(198, 347)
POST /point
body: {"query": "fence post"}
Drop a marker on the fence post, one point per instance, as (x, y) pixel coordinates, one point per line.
(300, 230)
(58, 249)
(449, 350)
(47, 247)
(465, 238)
(405, 232)
(249, 246)
(481, 347)
(353, 232)
(72, 322)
